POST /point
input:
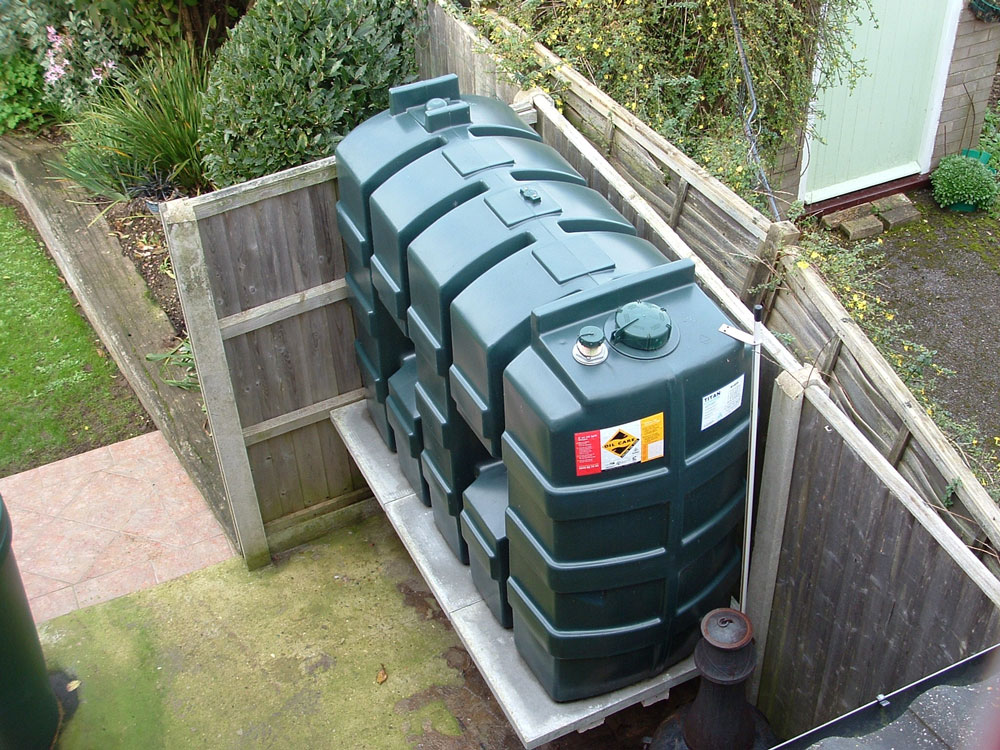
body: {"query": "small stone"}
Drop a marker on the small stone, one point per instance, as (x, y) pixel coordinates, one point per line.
(834, 220)
(900, 215)
(859, 229)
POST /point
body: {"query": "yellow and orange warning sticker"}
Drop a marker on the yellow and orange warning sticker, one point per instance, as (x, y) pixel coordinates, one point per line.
(637, 441)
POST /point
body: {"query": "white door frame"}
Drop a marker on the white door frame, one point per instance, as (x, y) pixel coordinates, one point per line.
(946, 48)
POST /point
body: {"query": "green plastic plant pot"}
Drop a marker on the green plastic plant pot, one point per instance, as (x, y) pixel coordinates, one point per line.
(985, 10)
(29, 711)
(963, 208)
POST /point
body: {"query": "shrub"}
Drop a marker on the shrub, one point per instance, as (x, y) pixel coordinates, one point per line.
(959, 179)
(79, 57)
(20, 92)
(295, 76)
(140, 136)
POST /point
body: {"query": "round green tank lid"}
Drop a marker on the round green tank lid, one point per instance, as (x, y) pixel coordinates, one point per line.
(642, 325)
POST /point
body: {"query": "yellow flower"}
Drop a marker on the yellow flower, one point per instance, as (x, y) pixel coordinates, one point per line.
(801, 264)
(889, 316)
(639, 67)
(814, 254)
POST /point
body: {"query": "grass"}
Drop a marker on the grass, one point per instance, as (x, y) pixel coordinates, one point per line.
(60, 393)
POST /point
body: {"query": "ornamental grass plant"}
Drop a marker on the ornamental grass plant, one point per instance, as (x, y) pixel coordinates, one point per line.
(139, 136)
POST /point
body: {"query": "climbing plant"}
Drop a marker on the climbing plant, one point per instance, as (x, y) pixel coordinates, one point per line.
(675, 63)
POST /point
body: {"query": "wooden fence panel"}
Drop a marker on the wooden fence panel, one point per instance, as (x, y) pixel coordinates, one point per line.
(454, 47)
(871, 592)
(865, 386)
(276, 340)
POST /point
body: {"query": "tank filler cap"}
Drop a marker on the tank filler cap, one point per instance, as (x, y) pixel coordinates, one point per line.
(641, 325)
(435, 103)
(590, 347)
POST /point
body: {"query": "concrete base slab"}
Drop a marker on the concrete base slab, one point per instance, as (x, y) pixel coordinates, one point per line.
(534, 716)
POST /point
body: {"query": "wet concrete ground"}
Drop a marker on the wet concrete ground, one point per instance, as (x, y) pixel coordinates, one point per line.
(339, 644)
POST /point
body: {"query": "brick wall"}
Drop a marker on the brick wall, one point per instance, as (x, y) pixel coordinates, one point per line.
(970, 79)
(973, 66)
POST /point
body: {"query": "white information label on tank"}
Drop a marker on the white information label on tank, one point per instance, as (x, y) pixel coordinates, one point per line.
(621, 445)
(719, 404)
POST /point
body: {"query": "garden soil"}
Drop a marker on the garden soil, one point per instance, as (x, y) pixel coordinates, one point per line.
(942, 275)
(140, 235)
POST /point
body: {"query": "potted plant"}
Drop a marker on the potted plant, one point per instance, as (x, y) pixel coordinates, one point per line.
(985, 10)
(963, 184)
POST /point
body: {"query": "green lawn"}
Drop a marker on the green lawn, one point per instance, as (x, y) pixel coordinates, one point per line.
(60, 393)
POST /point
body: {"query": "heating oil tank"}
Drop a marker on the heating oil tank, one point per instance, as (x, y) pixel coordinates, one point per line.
(561, 394)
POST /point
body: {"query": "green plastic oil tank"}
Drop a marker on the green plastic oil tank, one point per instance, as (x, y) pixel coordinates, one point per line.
(367, 157)
(382, 145)
(449, 466)
(490, 326)
(435, 184)
(447, 257)
(29, 711)
(378, 348)
(625, 446)
(404, 419)
(484, 530)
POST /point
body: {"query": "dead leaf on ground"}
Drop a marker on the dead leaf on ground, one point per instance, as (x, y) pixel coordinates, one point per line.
(72, 685)
(382, 676)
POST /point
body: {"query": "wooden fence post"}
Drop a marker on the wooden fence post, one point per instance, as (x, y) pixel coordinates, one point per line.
(776, 480)
(779, 235)
(213, 373)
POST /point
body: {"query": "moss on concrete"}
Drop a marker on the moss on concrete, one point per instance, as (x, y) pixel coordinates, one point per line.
(285, 657)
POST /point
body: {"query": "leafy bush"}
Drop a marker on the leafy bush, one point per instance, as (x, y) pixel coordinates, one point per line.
(141, 26)
(20, 92)
(140, 136)
(295, 76)
(989, 139)
(959, 179)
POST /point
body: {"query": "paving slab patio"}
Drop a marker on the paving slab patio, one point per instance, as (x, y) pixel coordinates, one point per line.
(106, 523)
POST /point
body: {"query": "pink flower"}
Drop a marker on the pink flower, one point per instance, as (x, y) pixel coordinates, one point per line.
(97, 74)
(54, 73)
(53, 34)
(109, 65)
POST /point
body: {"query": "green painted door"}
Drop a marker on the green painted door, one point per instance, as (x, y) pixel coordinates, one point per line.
(883, 129)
